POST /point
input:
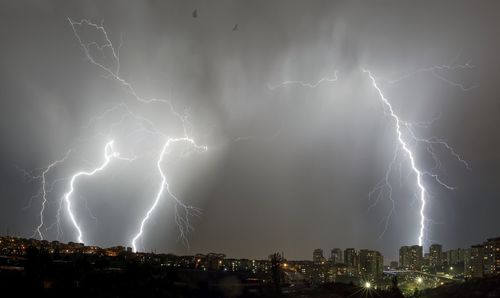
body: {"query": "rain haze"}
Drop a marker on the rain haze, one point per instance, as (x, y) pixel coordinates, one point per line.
(288, 166)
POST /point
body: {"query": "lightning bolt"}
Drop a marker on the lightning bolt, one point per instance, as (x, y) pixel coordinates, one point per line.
(436, 71)
(109, 154)
(164, 186)
(307, 84)
(146, 124)
(405, 130)
(400, 126)
(418, 173)
(44, 191)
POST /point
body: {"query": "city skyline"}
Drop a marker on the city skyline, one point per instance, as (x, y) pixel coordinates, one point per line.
(475, 261)
(251, 127)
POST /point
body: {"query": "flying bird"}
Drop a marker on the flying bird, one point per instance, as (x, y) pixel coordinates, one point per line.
(235, 28)
(195, 13)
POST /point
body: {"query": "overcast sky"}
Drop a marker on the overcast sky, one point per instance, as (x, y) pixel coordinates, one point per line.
(287, 169)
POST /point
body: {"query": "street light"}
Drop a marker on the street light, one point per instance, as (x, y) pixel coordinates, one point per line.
(419, 280)
(367, 285)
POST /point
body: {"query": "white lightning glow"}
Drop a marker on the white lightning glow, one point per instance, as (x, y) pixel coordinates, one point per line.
(109, 154)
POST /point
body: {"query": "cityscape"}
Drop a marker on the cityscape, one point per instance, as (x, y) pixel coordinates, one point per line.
(361, 268)
(250, 148)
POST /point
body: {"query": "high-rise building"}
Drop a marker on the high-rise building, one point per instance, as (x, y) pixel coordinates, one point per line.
(466, 256)
(426, 260)
(462, 255)
(435, 255)
(476, 261)
(492, 256)
(336, 256)
(410, 257)
(453, 256)
(318, 256)
(350, 257)
(445, 258)
(371, 264)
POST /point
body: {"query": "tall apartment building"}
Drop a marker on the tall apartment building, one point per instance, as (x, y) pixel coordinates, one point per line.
(318, 256)
(336, 256)
(492, 256)
(350, 257)
(476, 261)
(371, 264)
(435, 255)
(411, 257)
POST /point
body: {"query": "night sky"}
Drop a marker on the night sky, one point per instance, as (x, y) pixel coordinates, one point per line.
(287, 169)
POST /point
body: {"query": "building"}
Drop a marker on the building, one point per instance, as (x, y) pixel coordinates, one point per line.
(115, 251)
(425, 260)
(476, 261)
(462, 255)
(492, 256)
(411, 257)
(435, 255)
(318, 256)
(350, 257)
(466, 258)
(445, 258)
(394, 265)
(371, 264)
(336, 256)
(320, 273)
(454, 257)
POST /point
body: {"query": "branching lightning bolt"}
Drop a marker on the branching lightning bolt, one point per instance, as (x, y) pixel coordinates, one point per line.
(44, 191)
(109, 154)
(436, 70)
(147, 125)
(404, 144)
(406, 138)
(164, 186)
(409, 153)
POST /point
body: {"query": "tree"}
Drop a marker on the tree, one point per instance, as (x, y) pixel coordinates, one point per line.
(276, 272)
(395, 291)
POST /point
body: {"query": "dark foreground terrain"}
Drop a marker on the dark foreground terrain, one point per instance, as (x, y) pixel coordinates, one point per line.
(79, 279)
(79, 275)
